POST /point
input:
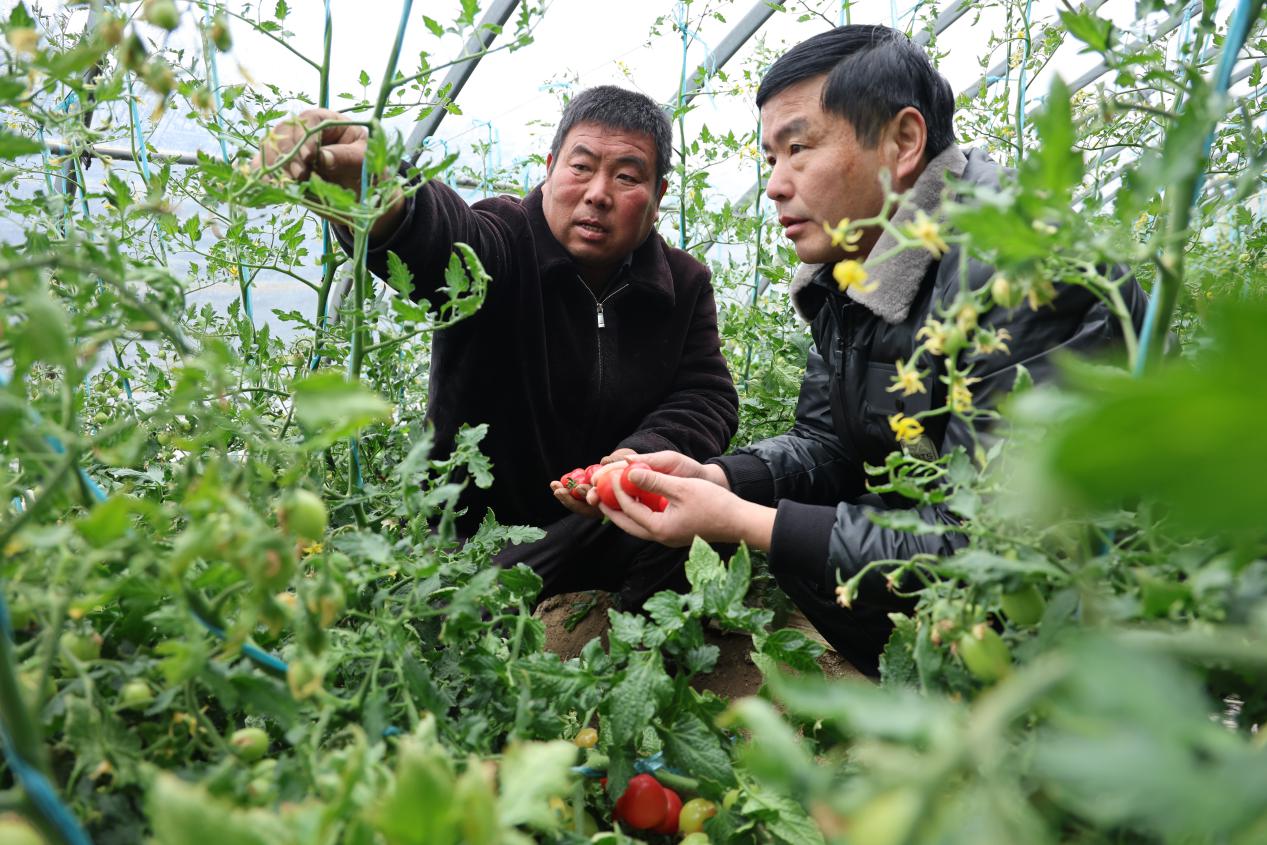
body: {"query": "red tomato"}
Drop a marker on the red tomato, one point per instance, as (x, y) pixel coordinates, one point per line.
(654, 501)
(589, 473)
(669, 825)
(643, 805)
(603, 479)
(572, 482)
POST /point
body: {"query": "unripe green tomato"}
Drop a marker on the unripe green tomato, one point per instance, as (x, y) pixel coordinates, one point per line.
(1024, 606)
(886, 819)
(135, 695)
(162, 13)
(83, 647)
(249, 744)
(21, 612)
(694, 813)
(159, 77)
(220, 33)
(111, 31)
(697, 839)
(731, 798)
(586, 738)
(985, 654)
(304, 514)
(101, 418)
(15, 830)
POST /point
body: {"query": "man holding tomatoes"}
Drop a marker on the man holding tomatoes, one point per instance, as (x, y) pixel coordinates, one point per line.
(836, 111)
(596, 340)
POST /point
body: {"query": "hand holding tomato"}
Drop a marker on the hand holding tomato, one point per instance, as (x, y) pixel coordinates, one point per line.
(695, 508)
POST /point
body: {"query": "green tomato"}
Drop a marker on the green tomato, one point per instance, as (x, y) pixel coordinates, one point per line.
(697, 839)
(985, 654)
(694, 813)
(249, 744)
(585, 738)
(1024, 606)
(304, 514)
(162, 13)
(888, 818)
(135, 695)
(15, 830)
(84, 648)
(731, 798)
(220, 33)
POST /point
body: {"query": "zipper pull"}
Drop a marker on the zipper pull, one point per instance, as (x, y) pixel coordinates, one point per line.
(602, 324)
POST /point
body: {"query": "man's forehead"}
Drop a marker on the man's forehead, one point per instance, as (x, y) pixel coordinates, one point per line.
(596, 139)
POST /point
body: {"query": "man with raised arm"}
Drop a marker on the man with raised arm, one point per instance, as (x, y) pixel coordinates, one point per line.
(837, 111)
(596, 340)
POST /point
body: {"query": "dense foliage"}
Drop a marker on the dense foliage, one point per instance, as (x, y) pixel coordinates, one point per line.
(236, 612)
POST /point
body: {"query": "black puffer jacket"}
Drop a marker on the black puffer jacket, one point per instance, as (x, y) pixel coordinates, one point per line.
(560, 379)
(815, 473)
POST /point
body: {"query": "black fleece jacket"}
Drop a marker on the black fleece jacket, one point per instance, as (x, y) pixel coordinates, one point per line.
(562, 376)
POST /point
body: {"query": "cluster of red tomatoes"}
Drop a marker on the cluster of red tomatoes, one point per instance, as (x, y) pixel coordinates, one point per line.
(648, 805)
(604, 477)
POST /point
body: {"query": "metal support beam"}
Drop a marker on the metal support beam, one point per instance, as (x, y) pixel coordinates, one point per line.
(455, 80)
(736, 38)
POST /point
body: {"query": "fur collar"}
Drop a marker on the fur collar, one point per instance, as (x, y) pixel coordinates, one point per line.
(895, 281)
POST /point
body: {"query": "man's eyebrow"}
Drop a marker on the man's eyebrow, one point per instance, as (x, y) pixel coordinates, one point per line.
(580, 149)
(792, 127)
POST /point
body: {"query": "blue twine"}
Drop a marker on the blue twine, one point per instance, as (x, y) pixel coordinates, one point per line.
(255, 654)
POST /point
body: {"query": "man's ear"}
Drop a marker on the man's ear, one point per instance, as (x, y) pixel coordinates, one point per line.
(908, 138)
(664, 186)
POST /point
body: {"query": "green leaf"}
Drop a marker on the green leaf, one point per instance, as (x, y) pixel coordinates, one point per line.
(12, 146)
(185, 814)
(1050, 173)
(419, 808)
(20, 17)
(633, 699)
(860, 707)
(531, 773)
(329, 407)
(364, 78)
(436, 29)
(704, 565)
(108, 520)
(1089, 28)
(690, 746)
(281, 10)
(399, 275)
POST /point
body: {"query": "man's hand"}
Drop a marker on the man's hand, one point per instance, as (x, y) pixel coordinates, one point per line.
(681, 466)
(697, 508)
(581, 505)
(335, 153)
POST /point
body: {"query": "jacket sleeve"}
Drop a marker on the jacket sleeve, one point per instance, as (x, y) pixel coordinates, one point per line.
(809, 463)
(435, 218)
(700, 413)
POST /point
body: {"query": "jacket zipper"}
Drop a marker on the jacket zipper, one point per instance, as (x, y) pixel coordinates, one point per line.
(598, 303)
(601, 322)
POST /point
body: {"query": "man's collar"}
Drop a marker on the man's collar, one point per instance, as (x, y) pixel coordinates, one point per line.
(893, 284)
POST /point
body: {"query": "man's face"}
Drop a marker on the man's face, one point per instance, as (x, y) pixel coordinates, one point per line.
(601, 196)
(820, 173)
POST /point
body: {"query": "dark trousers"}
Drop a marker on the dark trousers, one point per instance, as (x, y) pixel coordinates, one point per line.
(859, 633)
(579, 553)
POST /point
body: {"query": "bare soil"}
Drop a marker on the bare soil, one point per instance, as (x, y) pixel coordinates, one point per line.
(735, 675)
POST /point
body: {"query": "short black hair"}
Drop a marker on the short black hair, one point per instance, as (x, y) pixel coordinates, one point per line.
(618, 108)
(873, 72)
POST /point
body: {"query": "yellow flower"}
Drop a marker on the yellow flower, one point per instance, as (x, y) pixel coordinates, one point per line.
(906, 429)
(843, 598)
(966, 319)
(842, 237)
(961, 396)
(850, 274)
(23, 39)
(990, 342)
(908, 380)
(935, 336)
(925, 230)
(1040, 294)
